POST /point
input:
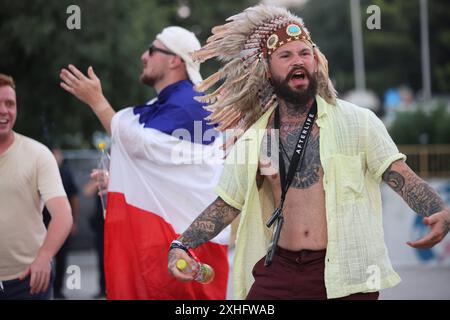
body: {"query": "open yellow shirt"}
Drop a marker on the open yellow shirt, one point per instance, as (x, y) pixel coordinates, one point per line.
(355, 150)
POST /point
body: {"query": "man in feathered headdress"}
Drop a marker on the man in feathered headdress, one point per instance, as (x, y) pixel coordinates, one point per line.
(318, 189)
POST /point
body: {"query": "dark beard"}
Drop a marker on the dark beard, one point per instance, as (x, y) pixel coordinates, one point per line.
(147, 80)
(298, 97)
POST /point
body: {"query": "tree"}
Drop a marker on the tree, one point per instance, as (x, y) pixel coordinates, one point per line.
(392, 54)
(36, 44)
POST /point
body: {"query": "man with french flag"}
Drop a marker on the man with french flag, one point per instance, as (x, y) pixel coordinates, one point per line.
(164, 166)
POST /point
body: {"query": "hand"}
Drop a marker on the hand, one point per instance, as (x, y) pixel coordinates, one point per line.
(87, 89)
(174, 256)
(440, 226)
(40, 270)
(101, 180)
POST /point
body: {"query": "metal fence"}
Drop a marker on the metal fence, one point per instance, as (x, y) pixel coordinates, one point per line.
(427, 161)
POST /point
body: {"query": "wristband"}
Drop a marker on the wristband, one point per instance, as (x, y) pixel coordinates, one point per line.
(178, 245)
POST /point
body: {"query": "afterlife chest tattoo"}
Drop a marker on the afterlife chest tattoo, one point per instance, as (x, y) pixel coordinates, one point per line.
(310, 170)
(309, 173)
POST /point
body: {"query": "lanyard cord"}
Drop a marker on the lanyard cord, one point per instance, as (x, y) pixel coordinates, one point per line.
(295, 162)
(297, 157)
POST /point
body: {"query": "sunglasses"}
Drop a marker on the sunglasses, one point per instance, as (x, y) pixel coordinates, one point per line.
(152, 49)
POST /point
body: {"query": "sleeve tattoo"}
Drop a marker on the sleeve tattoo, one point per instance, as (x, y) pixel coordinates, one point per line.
(419, 196)
(209, 223)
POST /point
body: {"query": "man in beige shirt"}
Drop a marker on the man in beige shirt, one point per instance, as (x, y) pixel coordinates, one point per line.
(29, 178)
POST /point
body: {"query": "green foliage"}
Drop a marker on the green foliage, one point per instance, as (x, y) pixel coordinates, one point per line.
(35, 45)
(329, 23)
(393, 53)
(411, 127)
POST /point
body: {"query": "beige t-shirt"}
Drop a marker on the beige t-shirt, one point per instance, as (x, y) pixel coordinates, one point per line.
(29, 177)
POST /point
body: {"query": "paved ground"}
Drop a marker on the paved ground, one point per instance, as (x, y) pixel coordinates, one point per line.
(87, 262)
(421, 282)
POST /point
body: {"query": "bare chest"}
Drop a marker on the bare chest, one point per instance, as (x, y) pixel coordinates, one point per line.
(308, 172)
(304, 208)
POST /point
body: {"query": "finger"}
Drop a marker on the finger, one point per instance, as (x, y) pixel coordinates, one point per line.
(42, 282)
(91, 73)
(67, 77)
(191, 269)
(94, 174)
(24, 274)
(37, 283)
(67, 88)
(97, 173)
(427, 242)
(430, 220)
(46, 282)
(70, 75)
(181, 276)
(77, 73)
(33, 282)
(193, 264)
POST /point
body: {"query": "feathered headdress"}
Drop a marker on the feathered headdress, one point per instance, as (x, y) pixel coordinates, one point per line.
(244, 43)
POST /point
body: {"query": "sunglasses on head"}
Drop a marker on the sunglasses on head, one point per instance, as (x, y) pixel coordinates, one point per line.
(152, 49)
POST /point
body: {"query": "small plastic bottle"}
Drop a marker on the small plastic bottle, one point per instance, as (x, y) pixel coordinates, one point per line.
(103, 168)
(205, 273)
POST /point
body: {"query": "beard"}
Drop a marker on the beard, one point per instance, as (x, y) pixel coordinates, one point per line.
(147, 80)
(298, 96)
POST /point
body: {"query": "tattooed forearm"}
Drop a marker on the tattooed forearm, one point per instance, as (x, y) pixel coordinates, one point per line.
(209, 223)
(395, 180)
(446, 226)
(417, 193)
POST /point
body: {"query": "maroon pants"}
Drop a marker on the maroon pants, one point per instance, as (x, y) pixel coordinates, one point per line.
(295, 275)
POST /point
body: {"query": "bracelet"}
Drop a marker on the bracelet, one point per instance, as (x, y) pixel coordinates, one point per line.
(178, 245)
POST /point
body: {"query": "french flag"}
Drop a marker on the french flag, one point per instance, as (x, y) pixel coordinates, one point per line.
(159, 183)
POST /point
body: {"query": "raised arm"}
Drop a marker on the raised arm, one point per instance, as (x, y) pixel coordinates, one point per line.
(421, 198)
(88, 90)
(205, 227)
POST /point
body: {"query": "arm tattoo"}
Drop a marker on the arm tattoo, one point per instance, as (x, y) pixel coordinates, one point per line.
(209, 223)
(417, 193)
(446, 226)
(395, 180)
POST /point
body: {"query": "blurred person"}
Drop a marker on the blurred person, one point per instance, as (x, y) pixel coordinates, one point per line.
(29, 179)
(153, 194)
(96, 222)
(71, 190)
(318, 188)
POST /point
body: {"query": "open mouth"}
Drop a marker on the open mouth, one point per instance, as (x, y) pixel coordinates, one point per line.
(299, 75)
(4, 121)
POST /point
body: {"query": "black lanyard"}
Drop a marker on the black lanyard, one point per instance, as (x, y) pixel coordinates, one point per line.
(286, 180)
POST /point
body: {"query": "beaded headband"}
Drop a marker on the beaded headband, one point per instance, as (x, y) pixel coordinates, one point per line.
(282, 36)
